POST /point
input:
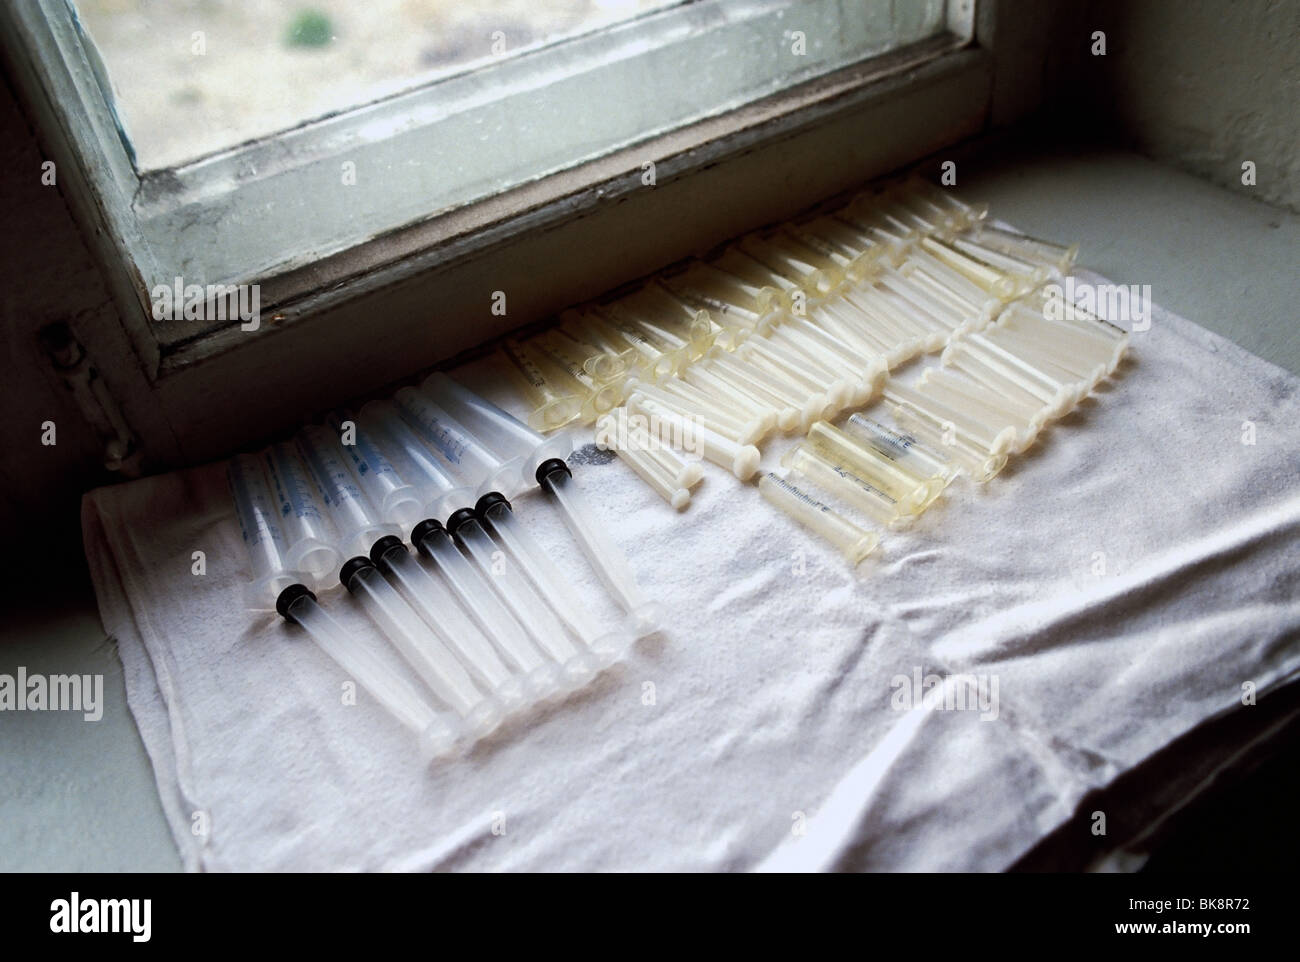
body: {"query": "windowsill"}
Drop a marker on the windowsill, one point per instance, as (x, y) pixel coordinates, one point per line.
(358, 326)
(445, 241)
(1137, 221)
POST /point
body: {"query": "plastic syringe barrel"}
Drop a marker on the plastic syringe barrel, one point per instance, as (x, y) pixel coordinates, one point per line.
(416, 642)
(900, 447)
(556, 479)
(263, 540)
(514, 443)
(854, 543)
(647, 465)
(442, 493)
(354, 517)
(471, 463)
(809, 462)
(398, 501)
(431, 538)
(440, 608)
(307, 532)
(298, 605)
(519, 596)
(496, 514)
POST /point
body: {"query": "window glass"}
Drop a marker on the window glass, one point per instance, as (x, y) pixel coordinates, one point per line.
(193, 77)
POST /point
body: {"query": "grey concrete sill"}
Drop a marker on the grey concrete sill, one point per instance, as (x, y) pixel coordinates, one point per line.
(1210, 255)
(80, 797)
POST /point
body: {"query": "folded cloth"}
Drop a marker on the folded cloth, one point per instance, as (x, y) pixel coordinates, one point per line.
(946, 707)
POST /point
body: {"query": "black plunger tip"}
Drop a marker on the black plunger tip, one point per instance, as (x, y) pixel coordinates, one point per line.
(461, 517)
(490, 501)
(288, 596)
(549, 467)
(384, 545)
(353, 567)
(427, 527)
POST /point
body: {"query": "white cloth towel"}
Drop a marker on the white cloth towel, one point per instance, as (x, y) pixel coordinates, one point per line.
(1119, 584)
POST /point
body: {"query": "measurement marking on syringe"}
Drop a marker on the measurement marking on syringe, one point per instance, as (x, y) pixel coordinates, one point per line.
(848, 475)
(801, 495)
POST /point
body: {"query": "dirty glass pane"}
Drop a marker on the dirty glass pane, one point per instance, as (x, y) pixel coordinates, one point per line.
(192, 78)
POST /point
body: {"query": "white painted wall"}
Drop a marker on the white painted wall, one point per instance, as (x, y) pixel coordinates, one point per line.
(1207, 85)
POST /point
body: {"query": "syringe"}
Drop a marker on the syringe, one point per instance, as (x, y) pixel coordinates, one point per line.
(807, 461)
(713, 417)
(854, 542)
(310, 537)
(442, 610)
(839, 244)
(980, 466)
(770, 283)
(557, 480)
(705, 384)
(518, 447)
(442, 494)
(740, 459)
(297, 605)
(633, 448)
(415, 642)
(968, 215)
(1057, 257)
(996, 438)
(1085, 339)
(902, 448)
(497, 515)
(609, 359)
(530, 610)
(551, 408)
(790, 408)
(432, 540)
(913, 494)
(828, 388)
(985, 360)
(792, 262)
(261, 533)
(974, 396)
(398, 502)
(472, 464)
(354, 517)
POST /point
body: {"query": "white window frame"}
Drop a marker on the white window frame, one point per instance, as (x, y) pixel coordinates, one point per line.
(358, 319)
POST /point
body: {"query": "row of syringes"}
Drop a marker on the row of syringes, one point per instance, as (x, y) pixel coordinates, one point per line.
(788, 328)
(990, 396)
(784, 328)
(487, 621)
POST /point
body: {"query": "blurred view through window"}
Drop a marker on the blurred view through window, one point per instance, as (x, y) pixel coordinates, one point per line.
(269, 136)
(190, 78)
(193, 77)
